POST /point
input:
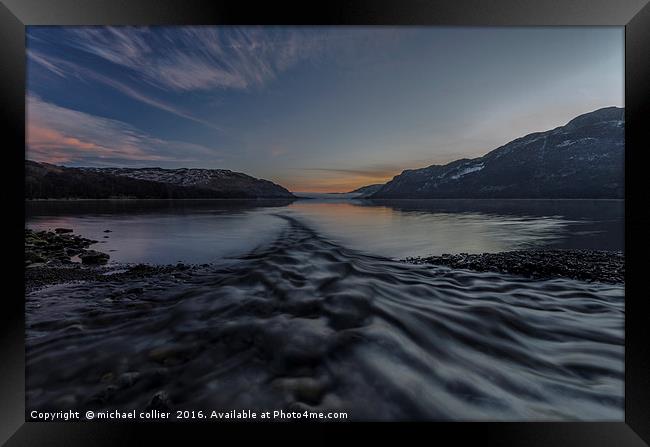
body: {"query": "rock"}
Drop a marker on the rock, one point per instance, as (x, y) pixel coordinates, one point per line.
(108, 377)
(66, 401)
(35, 265)
(94, 257)
(104, 396)
(586, 265)
(128, 379)
(32, 257)
(164, 354)
(159, 401)
(63, 230)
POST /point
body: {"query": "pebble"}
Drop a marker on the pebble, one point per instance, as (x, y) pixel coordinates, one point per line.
(587, 265)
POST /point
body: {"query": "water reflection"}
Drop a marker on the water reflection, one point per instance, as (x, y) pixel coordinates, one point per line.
(400, 228)
(110, 207)
(163, 232)
(204, 231)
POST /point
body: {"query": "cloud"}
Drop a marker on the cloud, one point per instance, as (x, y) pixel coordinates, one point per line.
(42, 60)
(59, 135)
(66, 69)
(199, 58)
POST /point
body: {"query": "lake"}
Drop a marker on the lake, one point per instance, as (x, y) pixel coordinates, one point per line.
(196, 231)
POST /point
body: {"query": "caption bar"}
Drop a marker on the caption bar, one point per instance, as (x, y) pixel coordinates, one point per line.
(158, 415)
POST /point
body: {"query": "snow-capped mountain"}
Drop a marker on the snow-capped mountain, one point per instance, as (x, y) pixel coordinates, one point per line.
(583, 159)
(220, 180)
(181, 176)
(44, 180)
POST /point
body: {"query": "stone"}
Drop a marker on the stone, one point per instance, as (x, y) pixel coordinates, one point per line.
(94, 257)
(159, 401)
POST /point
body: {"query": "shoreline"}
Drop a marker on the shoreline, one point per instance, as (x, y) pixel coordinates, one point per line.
(580, 264)
(49, 260)
(44, 276)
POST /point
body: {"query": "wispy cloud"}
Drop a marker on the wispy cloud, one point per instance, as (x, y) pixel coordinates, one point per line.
(150, 63)
(57, 134)
(201, 57)
(196, 58)
(65, 68)
(43, 60)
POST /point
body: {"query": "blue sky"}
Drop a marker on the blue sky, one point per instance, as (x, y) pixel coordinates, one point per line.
(312, 108)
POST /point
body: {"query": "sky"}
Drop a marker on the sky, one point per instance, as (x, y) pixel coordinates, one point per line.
(315, 109)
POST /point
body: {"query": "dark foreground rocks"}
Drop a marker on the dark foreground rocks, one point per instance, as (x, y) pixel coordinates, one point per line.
(94, 257)
(59, 247)
(40, 276)
(50, 260)
(585, 265)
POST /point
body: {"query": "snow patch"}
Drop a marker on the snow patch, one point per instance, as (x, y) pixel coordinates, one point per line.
(467, 170)
(572, 142)
(566, 143)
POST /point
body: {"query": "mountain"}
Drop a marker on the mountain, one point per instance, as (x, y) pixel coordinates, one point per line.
(367, 190)
(583, 159)
(46, 181)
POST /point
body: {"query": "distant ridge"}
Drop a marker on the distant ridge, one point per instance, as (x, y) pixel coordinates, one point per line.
(583, 159)
(367, 190)
(47, 181)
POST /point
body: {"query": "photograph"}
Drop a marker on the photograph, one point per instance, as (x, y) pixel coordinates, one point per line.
(325, 223)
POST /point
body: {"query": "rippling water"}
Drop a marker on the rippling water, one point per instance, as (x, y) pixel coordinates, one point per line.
(302, 322)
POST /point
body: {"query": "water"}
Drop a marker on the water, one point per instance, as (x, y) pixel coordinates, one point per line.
(205, 231)
(312, 313)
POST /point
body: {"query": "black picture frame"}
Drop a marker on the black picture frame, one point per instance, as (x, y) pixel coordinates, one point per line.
(634, 15)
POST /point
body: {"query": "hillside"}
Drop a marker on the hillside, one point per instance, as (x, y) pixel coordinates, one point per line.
(46, 181)
(583, 159)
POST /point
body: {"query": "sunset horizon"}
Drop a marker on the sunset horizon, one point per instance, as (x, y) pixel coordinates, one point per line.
(310, 108)
(335, 187)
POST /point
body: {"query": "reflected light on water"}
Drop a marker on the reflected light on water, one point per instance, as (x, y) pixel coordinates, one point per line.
(206, 231)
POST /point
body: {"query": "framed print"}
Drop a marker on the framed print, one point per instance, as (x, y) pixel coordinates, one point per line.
(372, 215)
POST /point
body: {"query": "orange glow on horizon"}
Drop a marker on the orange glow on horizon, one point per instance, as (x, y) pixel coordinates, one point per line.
(332, 185)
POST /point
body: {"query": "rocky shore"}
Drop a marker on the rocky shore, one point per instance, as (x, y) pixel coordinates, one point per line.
(586, 265)
(41, 276)
(59, 256)
(59, 247)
